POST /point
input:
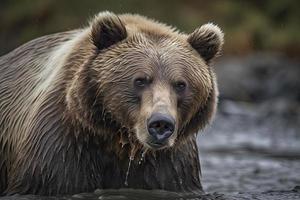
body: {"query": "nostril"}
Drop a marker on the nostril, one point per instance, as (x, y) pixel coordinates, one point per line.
(161, 126)
(169, 127)
(156, 125)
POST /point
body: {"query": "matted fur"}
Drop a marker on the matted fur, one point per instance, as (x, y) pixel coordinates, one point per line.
(67, 113)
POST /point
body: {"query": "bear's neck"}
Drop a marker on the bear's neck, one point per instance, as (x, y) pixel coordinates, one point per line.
(129, 166)
(176, 169)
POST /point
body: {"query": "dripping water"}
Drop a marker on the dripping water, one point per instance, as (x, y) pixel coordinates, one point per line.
(128, 169)
(143, 156)
(131, 158)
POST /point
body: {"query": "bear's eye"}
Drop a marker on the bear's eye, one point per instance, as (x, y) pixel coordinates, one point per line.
(140, 82)
(180, 86)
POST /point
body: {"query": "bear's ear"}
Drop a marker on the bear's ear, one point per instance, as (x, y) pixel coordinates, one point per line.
(207, 40)
(107, 29)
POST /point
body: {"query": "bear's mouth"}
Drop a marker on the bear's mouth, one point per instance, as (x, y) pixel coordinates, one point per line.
(157, 145)
(144, 137)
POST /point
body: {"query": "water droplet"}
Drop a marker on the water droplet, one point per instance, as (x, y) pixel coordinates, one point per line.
(180, 181)
(143, 156)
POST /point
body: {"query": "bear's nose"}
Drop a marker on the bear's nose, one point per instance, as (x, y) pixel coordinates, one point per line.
(160, 126)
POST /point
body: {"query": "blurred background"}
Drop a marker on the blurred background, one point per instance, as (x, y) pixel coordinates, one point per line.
(249, 25)
(254, 143)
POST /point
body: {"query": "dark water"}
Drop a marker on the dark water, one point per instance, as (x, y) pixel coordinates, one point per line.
(124, 194)
(252, 150)
(248, 155)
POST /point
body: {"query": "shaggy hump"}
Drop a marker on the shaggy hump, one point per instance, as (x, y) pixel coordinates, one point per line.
(207, 41)
(107, 29)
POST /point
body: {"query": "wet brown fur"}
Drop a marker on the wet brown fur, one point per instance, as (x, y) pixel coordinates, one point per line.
(67, 114)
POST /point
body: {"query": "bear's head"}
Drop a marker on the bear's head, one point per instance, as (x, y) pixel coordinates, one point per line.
(147, 81)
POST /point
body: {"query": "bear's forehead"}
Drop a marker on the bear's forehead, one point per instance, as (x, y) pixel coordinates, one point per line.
(146, 54)
(162, 52)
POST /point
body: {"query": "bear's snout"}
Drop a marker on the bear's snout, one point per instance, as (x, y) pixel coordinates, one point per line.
(160, 127)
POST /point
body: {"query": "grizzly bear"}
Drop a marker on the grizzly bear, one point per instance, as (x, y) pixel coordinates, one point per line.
(116, 104)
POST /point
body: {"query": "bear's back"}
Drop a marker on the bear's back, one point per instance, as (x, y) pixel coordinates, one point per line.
(24, 75)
